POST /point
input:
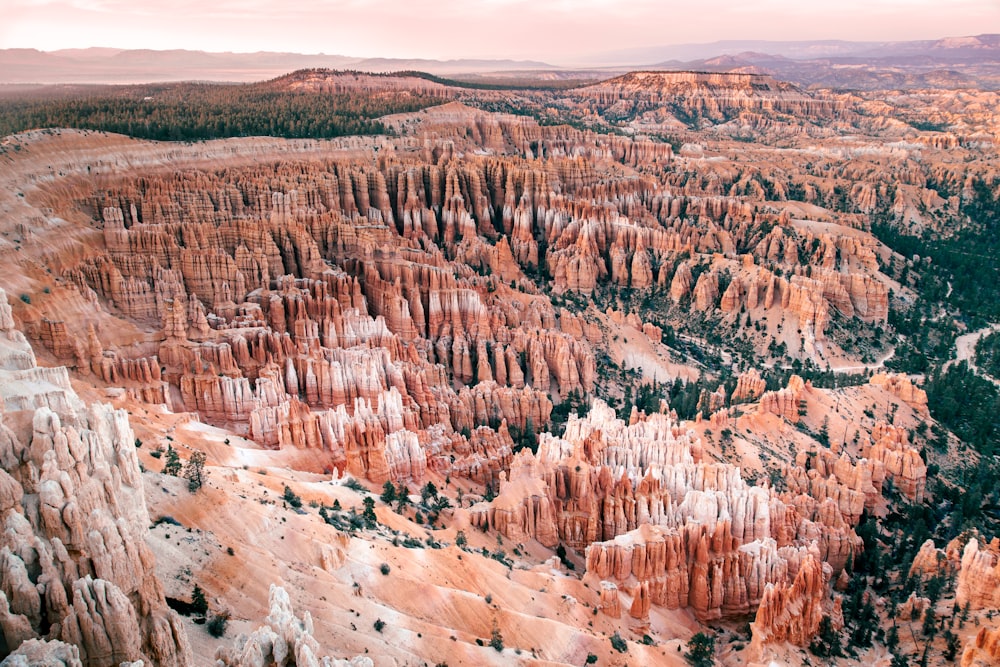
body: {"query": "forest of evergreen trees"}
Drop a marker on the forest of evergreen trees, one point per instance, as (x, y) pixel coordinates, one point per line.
(193, 111)
(988, 355)
(966, 264)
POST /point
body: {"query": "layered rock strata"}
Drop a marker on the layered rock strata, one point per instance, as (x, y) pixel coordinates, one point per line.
(295, 296)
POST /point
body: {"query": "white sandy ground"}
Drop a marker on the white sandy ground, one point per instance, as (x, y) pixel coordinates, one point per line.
(965, 350)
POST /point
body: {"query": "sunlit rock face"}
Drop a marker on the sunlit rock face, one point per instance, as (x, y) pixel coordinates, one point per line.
(75, 566)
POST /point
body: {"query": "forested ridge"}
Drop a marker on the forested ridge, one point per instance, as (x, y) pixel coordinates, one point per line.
(196, 111)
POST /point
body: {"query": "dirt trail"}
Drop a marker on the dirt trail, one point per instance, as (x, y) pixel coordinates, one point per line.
(965, 350)
(865, 367)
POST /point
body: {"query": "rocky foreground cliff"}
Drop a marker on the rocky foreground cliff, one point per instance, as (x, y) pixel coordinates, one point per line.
(76, 570)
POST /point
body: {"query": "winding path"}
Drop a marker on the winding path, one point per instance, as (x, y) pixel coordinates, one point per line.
(866, 367)
(965, 350)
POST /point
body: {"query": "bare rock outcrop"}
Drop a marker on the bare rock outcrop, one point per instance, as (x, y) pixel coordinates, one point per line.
(784, 402)
(664, 527)
(979, 575)
(522, 510)
(902, 462)
(792, 611)
(929, 561)
(712, 95)
(902, 387)
(284, 639)
(37, 653)
(74, 562)
(984, 650)
(610, 599)
(749, 386)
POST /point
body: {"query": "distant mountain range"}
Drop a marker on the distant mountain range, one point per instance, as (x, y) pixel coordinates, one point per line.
(950, 62)
(800, 50)
(104, 65)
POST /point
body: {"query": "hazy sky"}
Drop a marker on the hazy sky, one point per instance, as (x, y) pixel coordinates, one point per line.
(559, 31)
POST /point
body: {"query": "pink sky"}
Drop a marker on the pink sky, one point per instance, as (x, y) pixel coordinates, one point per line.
(559, 31)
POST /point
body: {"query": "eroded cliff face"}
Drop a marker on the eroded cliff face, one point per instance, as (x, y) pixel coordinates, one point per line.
(979, 575)
(984, 650)
(413, 313)
(74, 565)
(791, 611)
(715, 96)
(667, 528)
(325, 317)
(262, 277)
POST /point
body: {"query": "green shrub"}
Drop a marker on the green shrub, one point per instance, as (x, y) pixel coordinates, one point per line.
(701, 650)
(355, 485)
(217, 624)
(291, 498)
(496, 639)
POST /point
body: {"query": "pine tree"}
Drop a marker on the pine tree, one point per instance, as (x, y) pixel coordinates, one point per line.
(429, 491)
(701, 650)
(173, 465)
(952, 645)
(900, 661)
(824, 432)
(930, 624)
(388, 493)
(402, 497)
(371, 521)
(827, 641)
(892, 638)
(198, 601)
(194, 471)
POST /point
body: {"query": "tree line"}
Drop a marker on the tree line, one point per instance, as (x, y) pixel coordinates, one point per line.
(195, 111)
